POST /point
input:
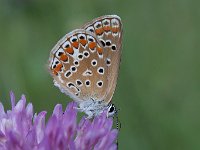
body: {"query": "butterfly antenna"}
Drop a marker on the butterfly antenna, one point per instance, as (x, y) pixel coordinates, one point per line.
(118, 123)
(118, 126)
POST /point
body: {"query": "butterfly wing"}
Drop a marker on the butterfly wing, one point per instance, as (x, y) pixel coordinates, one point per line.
(77, 65)
(108, 29)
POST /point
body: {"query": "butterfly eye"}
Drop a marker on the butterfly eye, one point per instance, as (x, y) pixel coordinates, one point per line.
(111, 110)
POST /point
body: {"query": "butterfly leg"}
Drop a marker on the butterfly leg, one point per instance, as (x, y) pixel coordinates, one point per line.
(89, 113)
(78, 108)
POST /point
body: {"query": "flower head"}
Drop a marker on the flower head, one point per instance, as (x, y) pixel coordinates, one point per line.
(20, 129)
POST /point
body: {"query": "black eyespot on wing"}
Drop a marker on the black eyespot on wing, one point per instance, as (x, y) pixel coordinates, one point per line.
(80, 56)
(108, 61)
(106, 23)
(108, 43)
(67, 45)
(86, 54)
(76, 63)
(73, 69)
(74, 40)
(98, 25)
(103, 43)
(91, 40)
(81, 37)
(87, 82)
(60, 53)
(70, 84)
(100, 70)
(68, 74)
(100, 83)
(91, 30)
(113, 47)
(94, 63)
(78, 82)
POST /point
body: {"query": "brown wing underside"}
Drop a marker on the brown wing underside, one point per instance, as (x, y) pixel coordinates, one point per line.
(72, 69)
(108, 30)
(71, 60)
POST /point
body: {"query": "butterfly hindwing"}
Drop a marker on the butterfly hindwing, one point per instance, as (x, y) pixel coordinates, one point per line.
(77, 66)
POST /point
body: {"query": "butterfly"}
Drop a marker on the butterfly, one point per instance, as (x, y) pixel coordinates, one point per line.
(85, 64)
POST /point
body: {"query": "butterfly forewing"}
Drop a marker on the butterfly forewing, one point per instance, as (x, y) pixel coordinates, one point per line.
(108, 29)
(77, 64)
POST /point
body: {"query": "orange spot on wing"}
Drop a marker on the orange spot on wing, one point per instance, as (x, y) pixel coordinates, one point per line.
(75, 44)
(69, 50)
(115, 29)
(100, 50)
(83, 42)
(58, 67)
(54, 72)
(107, 28)
(64, 57)
(92, 45)
(99, 31)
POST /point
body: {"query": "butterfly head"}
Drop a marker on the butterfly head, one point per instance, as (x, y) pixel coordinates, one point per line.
(111, 110)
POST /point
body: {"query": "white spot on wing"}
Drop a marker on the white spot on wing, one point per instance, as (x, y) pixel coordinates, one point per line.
(90, 28)
(66, 44)
(87, 73)
(94, 62)
(99, 83)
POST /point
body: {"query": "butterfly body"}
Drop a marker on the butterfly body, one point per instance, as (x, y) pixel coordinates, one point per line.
(85, 63)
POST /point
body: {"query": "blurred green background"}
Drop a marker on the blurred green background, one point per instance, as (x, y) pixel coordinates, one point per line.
(158, 90)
